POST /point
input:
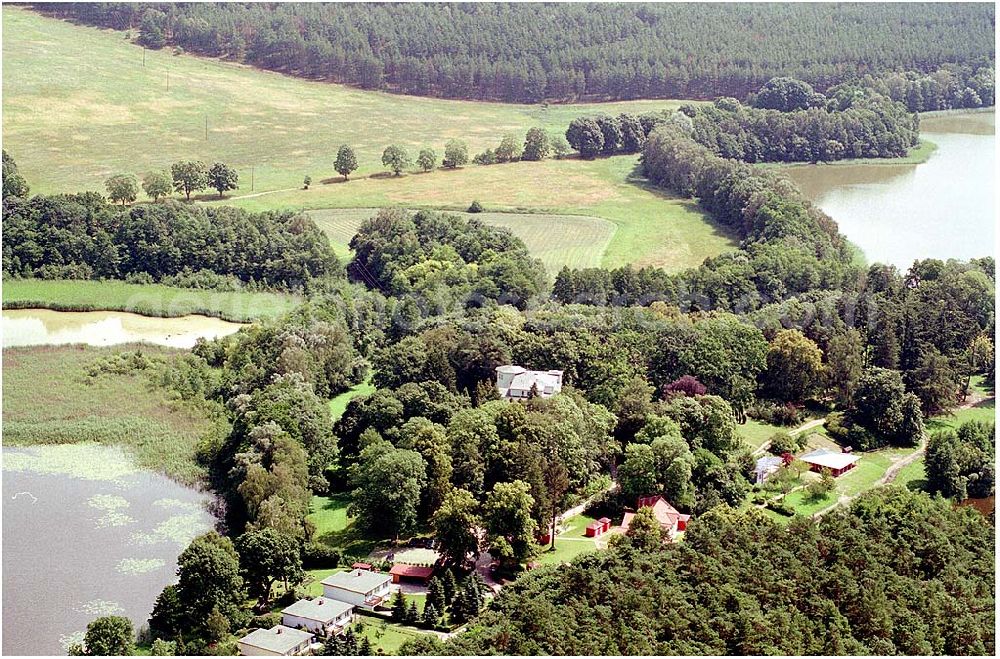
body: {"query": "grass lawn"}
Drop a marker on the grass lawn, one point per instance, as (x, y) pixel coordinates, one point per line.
(338, 404)
(913, 476)
(71, 123)
(386, 637)
(980, 385)
(144, 299)
(756, 432)
(871, 467)
(984, 411)
(48, 399)
(805, 506)
(570, 543)
(577, 241)
(335, 529)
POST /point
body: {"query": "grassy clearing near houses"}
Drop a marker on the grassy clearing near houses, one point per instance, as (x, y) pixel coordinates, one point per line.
(984, 411)
(576, 241)
(48, 399)
(913, 476)
(570, 543)
(71, 123)
(386, 637)
(144, 299)
(335, 529)
(756, 433)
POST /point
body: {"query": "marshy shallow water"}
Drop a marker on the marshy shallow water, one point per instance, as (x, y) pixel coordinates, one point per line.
(30, 327)
(86, 533)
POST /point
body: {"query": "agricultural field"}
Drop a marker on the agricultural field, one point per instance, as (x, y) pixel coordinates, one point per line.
(576, 241)
(649, 227)
(145, 299)
(70, 124)
(49, 399)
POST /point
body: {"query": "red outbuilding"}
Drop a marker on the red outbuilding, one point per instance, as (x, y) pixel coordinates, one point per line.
(401, 572)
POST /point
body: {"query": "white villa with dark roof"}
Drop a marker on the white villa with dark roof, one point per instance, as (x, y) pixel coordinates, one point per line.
(515, 382)
(321, 616)
(278, 641)
(362, 588)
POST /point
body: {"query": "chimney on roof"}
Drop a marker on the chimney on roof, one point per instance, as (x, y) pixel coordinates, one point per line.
(279, 630)
(319, 602)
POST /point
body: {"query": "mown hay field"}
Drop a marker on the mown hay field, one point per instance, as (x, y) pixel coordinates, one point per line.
(71, 121)
(577, 241)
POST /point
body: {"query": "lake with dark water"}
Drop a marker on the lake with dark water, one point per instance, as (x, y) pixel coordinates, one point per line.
(943, 208)
(86, 534)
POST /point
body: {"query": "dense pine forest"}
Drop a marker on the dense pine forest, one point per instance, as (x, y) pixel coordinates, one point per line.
(872, 579)
(932, 56)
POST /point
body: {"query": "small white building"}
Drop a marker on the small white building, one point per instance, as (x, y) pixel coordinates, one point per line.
(278, 641)
(321, 616)
(358, 587)
(515, 382)
(766, 466)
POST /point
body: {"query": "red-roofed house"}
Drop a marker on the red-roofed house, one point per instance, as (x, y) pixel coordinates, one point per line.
(402, 571)
(669, 517)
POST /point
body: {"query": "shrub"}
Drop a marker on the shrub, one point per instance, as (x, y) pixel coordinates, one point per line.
(475, 207)
(318, 555)
(781, 508)
(687, 385)
(776, 414)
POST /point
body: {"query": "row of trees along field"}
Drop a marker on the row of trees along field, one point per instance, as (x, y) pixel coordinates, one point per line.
(535, 52)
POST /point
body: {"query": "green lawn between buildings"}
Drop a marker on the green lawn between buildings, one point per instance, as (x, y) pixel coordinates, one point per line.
(570, 543)
(145, 299)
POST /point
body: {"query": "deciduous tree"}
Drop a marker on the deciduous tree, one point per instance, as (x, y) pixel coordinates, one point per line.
(346, 161)
(122, 188)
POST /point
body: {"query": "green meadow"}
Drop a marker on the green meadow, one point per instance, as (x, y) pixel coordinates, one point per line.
(71, 122)
(145, 299)
(563, 209)
(577, 241)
